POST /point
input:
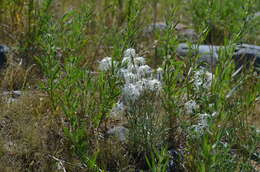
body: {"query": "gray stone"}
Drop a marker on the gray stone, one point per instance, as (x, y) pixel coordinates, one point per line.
(12, 93)
(11, 96)
(182, 30)
(160, 26)
(206, 53)
(189, 33)
(244, 54)
(119, 132)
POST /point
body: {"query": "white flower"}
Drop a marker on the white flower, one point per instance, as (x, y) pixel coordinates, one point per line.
(138, 78)
(142, 84)
(209, 77)
(203, 79)
(154, 85)
(129, 77)
(203, 120)
(118, 110)
(130, 52)
(119, 132)
(131, 92)
(198, 80)
(202, 123)
(106, 63)
(127, 60)
(132, 68)
(190, 107)
(149, 85)
(144, 71)
(139, 61)
(159, 74)
(121, 72)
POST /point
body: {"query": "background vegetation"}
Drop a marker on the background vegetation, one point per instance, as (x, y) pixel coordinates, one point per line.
(60, 120)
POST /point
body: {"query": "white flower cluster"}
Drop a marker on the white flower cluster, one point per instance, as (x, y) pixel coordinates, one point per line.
(137, 75)
(118, 110)
(190, 107)
(106, 64)
(203, 79)
(202, 124)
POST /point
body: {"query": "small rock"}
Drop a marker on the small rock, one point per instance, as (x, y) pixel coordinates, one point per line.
(11, 96)
(14, 94)
(182, 30)
(185, 32)
(207, 53)
(119, 132)
(160, 26)
(189, 33)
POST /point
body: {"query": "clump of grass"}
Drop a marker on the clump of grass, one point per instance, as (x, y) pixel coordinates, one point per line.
(147, 128)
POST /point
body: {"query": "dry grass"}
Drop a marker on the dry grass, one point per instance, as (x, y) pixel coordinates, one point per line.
(29, 134)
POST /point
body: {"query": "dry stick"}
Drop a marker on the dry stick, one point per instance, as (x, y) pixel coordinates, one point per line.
(155, 13)
(26, 74)
(62, 162)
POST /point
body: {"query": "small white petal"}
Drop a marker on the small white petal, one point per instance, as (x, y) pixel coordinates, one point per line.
(154, 85)
(131, 92)
(130, 52)
(144, 71)
(132, 68)
(203, 119)
(139, 61)
(122, 72)
(118, 110)
(159, 74)
(105, 64)
(203, 79)
(149, 85)
(127, 60)
(130, 77)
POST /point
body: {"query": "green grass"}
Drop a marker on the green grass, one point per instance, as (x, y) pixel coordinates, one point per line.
(60, 122)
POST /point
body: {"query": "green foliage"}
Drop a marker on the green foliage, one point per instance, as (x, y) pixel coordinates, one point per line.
(222, 18)
(159, 161)
(147, 125)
